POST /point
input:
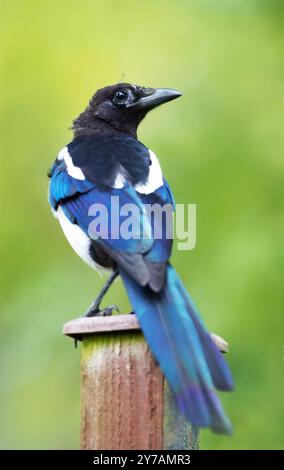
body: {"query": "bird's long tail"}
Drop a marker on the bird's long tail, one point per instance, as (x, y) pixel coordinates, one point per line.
(179, 341)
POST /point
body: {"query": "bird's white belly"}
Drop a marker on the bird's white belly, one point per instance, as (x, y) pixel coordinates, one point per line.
(79, 241)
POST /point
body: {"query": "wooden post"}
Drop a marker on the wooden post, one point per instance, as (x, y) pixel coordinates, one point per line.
(125, 400)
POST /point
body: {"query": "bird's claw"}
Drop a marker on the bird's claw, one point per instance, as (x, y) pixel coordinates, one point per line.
(106, 312)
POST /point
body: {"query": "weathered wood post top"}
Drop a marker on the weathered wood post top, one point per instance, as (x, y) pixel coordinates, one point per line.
(125, 400)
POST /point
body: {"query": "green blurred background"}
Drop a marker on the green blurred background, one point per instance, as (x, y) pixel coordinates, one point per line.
(221, 147)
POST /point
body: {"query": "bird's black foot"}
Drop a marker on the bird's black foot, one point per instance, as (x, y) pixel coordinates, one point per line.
(96, 312)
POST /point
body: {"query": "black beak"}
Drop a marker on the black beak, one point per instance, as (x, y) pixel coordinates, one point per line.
(153, 97)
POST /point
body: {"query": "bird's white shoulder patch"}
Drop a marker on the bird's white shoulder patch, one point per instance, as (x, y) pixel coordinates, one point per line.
(79, 241)
(72, 170)
(155, 178)
(119, 181)
(54, 213)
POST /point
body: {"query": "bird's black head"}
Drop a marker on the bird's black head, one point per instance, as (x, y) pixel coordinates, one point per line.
(121, 107)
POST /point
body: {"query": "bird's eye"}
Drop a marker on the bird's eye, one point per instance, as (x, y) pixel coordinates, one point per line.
(120, 96)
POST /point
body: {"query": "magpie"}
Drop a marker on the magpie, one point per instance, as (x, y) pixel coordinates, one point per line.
(105, 159)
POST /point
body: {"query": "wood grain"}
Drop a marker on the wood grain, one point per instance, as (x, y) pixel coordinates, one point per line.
(122, 387)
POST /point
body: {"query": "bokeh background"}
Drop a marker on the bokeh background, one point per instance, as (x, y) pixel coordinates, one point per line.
(221, 147)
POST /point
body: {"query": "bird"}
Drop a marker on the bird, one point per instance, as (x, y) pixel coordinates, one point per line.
(105, 160)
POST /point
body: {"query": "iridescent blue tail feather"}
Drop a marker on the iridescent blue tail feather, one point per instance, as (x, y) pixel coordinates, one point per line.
(179, 341)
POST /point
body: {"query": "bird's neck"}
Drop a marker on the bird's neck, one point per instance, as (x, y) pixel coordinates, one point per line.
(89, 125)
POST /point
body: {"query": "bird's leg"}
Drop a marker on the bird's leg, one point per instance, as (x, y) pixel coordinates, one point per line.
(94, 309)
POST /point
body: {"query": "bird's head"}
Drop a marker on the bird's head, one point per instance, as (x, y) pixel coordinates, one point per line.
(121, 107)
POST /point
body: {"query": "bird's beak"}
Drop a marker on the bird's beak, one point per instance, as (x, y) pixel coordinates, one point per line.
(153, 97)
